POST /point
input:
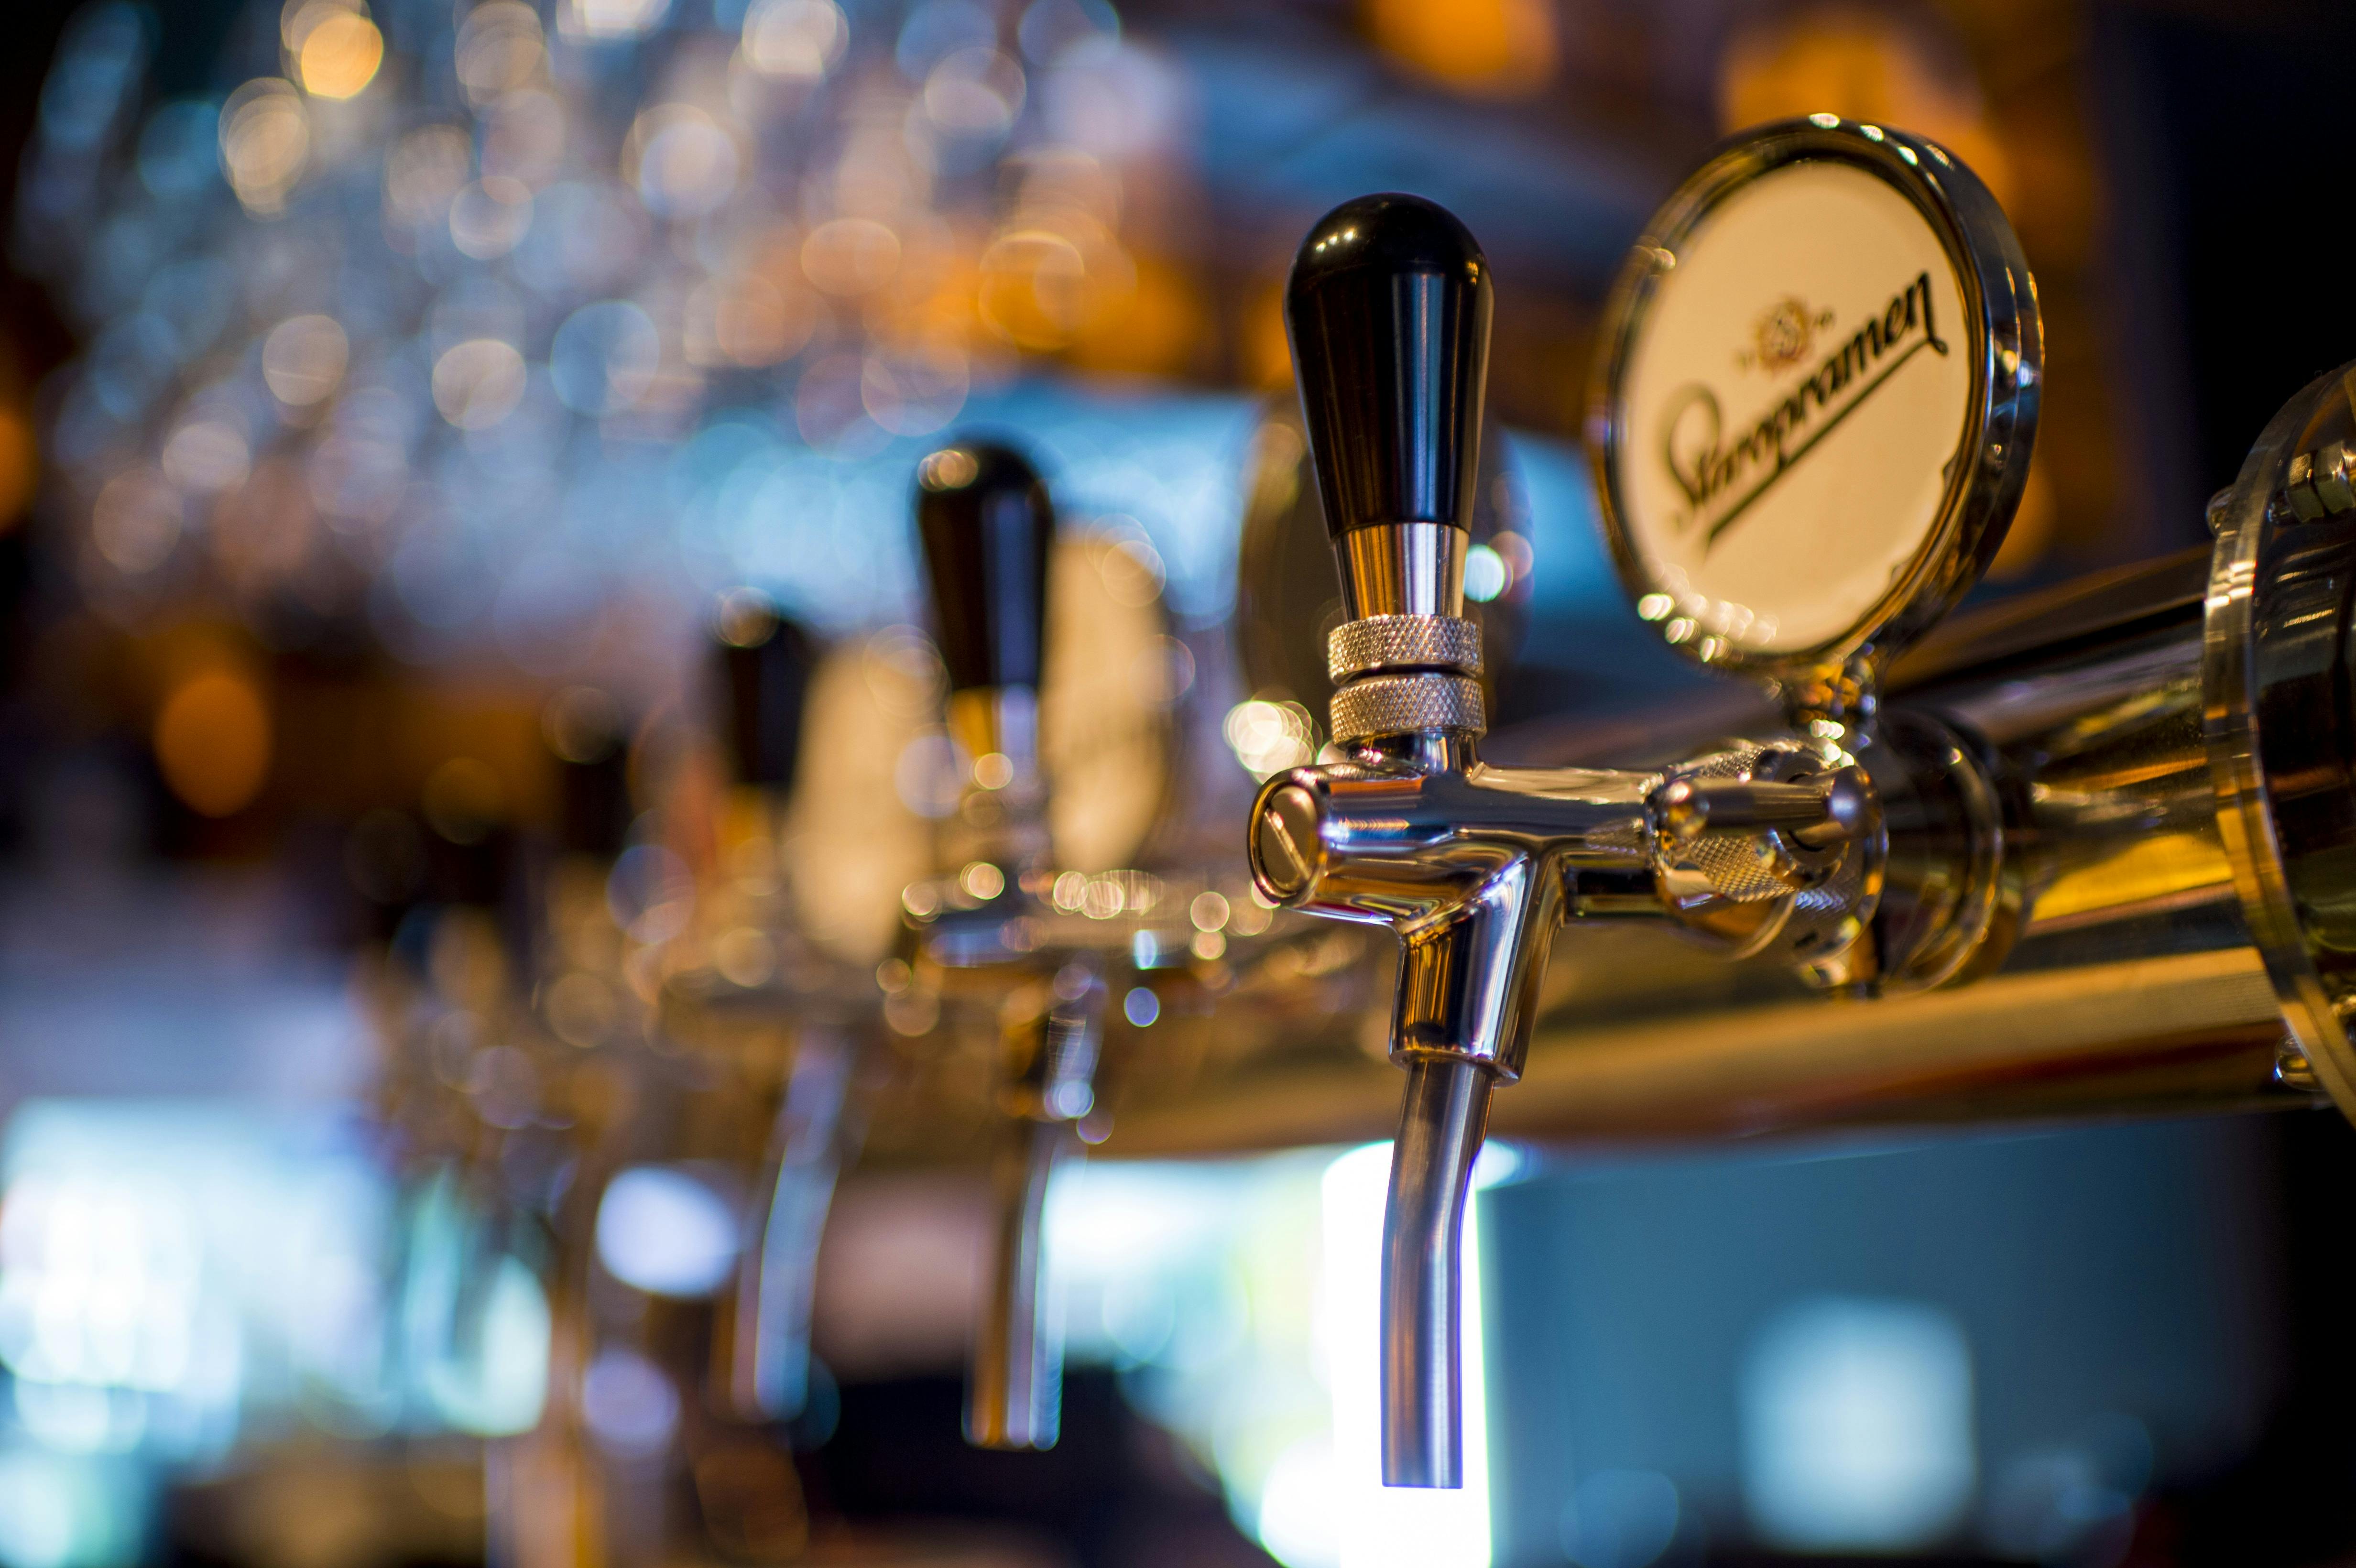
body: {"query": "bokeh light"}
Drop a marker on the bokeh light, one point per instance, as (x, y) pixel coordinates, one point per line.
(212, 740)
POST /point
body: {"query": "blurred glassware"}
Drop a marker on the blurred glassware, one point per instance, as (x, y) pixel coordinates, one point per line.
(491, 331)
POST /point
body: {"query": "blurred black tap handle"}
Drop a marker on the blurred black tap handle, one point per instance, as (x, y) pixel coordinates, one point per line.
(765, 664)
(1388, 309)
(986, 524)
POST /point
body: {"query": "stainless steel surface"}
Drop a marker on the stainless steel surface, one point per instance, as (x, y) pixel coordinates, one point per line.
(1642, 1045)
(769, 1342)
(1759, 822)
(2329, 472)
(2110, 971)
(2278, 691)
(1442, 1120)
(1014, 1397)
(1470, 866)
(2319, 484)
(1474, 866)
(1822, 809)
(1402, 569)
(1418, 642)
(1383, 704)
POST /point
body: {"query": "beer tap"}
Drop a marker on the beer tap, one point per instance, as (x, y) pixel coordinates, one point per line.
(1779, 845)
(765, 664)
(1041, 943)
(987, 528)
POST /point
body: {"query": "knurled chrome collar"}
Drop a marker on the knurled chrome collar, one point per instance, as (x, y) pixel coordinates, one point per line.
(1393, 642)
(1402, 704)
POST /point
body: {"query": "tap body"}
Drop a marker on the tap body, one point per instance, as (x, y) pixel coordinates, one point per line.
(1475, 867)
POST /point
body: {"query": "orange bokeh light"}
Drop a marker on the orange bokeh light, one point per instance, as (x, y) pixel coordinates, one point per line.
(20, 466)
(1490, 47)
(1862, 66)
(212, 741)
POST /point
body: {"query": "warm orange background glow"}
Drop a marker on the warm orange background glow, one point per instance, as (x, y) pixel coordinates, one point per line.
(212, 741)
(1474, 45)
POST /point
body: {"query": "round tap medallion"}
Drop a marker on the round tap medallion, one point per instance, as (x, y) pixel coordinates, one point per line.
(1815, 411)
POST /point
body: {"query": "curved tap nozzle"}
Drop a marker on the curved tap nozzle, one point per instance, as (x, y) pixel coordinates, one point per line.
(765, 664)
(1014, 1392)
(987, 528)
(768, 1370)
(1442, 1119)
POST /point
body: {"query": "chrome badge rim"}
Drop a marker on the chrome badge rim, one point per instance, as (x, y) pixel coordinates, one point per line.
(2001, 339)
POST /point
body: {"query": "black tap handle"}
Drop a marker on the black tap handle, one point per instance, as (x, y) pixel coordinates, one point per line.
(987, 524)
(765, 663)
(1389, 310)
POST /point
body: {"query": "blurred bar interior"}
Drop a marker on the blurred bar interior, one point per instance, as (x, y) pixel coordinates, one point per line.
(562, 971)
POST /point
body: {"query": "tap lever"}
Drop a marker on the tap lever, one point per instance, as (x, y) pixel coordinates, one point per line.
(983, 516)
(1388, 309)
(1815, 811)
(987, 528)
(765, 664)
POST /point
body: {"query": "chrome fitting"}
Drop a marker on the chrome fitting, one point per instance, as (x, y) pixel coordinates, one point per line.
(1756, 823)
(1404, 704)
(1402, 569)
(1397, 642)
(2321, 483)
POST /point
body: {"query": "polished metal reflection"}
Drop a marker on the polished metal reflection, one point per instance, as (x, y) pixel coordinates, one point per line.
(2047, 802)
(1474, 866)
(1014, 1399)
(1442, 1120)
(2279, 698)
(770, 1367)
(1402, 569)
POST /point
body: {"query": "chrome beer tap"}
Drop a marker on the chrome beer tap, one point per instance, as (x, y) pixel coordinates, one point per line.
(1046, 946)
(1779, 845)
(987, 527)
(765, 663)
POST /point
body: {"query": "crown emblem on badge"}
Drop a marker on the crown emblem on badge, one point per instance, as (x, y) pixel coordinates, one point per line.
(1785, 334)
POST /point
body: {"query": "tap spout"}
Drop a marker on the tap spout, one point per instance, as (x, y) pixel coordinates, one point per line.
(1441, 1122)
(1014, 1397)
(1014, 1393)
(769, 1368)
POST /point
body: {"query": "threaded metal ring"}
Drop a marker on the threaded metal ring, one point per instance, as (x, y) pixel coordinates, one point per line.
(1401, 704)
(1390, 642)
